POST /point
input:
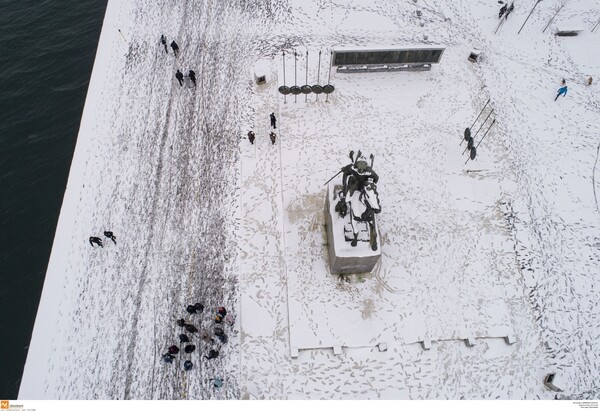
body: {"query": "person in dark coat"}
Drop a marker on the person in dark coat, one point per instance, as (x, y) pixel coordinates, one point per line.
(191, 328)
(163, 41)
(251, 136)
(179, 77)
(175, 48)
(212, 354)
(188, 365)
(192, 75)
(191, 309)
(222, 311)
(181, 322)
(206, 337)
(199, 307)
(190, 348)
(510, 9)
(273, 137)
(173, 349)
(168, 358)
(502, 11)
(110, 235)
(218, 319)
(219, 331)
(96, 240)
(183, 338)
(273, 120)
(223, 338)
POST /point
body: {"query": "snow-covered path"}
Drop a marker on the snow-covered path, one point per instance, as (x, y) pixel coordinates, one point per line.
(506, 244)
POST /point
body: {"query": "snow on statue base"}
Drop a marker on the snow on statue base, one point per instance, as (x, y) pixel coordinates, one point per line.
(343, 258)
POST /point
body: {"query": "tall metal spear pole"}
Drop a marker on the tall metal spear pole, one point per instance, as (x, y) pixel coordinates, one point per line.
(295, 75)
(318, 73)
(306, 95)
(284, 96)
(329, 78)
(533, 8)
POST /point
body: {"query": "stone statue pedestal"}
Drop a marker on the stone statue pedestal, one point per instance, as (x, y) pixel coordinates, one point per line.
(343, 258)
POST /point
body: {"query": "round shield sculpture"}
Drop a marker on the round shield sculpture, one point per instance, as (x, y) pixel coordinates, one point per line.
(473, 153)
(317, 89)
(306, 89)
(295, 90)
(467, 133)
(328, 89)
(285, 90)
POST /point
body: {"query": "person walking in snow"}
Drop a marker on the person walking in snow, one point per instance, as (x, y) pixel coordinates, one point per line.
(206, 337)
(589, 81)
(188, 365)
(175, 48)
(199, 307)
(173, 349)
(217, 382)
(251, 137)
(273, 120)
(229, 319)
(561, 91)
(179, 77)
(218, 319)
(163, 41)
(191, 309)
(168, 358)
(502, 11)
(183, 338)
(190, 328)
(223, 338)
(510, 9)
(273, 137)
(110, 235)
(96, 240)
(181, 322)
(212, 354)
(189, 348)
(222, 311)
(219, 331)
(192, 76)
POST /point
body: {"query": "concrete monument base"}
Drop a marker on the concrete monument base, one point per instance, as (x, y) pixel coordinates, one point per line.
(343, 258)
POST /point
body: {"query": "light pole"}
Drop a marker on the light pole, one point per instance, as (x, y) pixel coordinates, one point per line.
(534, 6)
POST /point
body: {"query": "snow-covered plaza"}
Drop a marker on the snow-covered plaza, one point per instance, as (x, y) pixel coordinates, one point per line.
(490, 268)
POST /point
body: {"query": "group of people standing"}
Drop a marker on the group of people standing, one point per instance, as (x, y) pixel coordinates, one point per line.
(98, 240)
(272, 135)
(189, 347)
(178, 75)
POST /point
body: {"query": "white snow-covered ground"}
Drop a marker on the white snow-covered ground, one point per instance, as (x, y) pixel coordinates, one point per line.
(507, 244)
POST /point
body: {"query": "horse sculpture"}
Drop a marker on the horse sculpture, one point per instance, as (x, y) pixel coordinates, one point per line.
(359, 196)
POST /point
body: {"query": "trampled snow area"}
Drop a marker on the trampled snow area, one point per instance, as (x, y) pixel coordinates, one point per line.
(505, 245)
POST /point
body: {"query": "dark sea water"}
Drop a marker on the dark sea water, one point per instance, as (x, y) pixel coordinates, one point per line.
(48, 50)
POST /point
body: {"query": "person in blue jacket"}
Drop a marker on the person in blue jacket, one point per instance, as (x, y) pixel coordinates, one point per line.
(561, 91)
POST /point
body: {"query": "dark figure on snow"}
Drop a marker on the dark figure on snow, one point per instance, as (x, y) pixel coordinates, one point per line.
(251, 136)
(175, 48)
(173, 349)
(192, 75)
(219, 331)
(181, 322)
(183, 338)
(190, 348)
(110, 235)
(188, 365)
(273, 120)
(510, 9)
(218, 319)
(179, 77)
(561, 91)
(222, 311)
(163, 41)
(168, 358)
(212, 354)
(96, 240)
(502, 11)
(223, 338)
(273, 137)
(199, 307)
(190, 328)
(191, 309)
